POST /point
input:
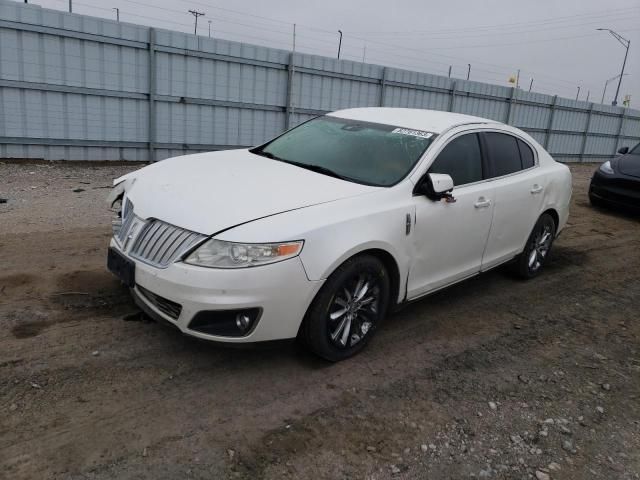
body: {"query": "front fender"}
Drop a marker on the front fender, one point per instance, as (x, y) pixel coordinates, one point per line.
(336, 231)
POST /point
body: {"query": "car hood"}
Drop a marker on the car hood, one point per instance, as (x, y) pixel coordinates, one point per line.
(210, 192)
(629, 165)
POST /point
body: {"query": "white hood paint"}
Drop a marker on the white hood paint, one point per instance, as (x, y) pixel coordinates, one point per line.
(209, 192)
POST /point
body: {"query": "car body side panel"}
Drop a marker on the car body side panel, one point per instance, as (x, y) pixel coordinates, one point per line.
(450, 237)
(558, 191)
(515, 213)
(336, 231)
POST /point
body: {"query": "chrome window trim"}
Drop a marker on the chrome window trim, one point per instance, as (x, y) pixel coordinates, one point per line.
(483, 130)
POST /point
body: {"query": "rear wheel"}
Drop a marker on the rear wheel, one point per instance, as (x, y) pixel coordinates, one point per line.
(348, 309)
(536, 251)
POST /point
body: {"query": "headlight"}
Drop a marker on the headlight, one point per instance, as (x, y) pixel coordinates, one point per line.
(220, 254)
(114, 199)
(116, 216)
(606, 167)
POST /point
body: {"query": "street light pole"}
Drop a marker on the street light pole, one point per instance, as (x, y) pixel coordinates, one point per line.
(209, 28)
(606, 84)
(117, 13)
(339, 43)
(626, 44)
(468, 70)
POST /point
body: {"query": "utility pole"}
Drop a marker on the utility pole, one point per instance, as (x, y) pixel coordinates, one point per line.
(626, 44)
(531, 84)
(293, 71)
(449, 71)
(364, 53)
(339, 43)
(294, 38)
(578, 94)
(209, 28)
(588, 93)
(117, 14)
(468, 70)
(196, 14)
(518, 79)
(70, 7)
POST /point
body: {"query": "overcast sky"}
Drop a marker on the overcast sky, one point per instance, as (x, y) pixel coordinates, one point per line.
(554, 42)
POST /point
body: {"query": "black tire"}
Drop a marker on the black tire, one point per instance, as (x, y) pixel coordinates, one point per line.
(528, 264)
(596, 202)
(322, 334)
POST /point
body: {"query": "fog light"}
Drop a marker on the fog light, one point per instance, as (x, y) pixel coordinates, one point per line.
(243, 321)
(226, 323)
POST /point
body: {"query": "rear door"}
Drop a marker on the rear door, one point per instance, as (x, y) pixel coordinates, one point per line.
(519, 187)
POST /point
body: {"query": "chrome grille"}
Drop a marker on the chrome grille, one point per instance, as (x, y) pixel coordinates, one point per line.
(127, 218)
(169, 308)
(160, 243)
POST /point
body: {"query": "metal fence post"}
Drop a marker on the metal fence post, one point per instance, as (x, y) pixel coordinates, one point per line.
(620, 129)
(288, 109)
(586, 133)
(452, 99)
(383, 81)
(152, 93)
(550, 123)
(510, 105)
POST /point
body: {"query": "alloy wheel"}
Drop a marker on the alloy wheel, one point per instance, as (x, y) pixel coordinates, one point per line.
(354, 310)
(540, 247)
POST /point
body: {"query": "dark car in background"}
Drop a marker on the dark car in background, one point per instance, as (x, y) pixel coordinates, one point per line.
(617, 182)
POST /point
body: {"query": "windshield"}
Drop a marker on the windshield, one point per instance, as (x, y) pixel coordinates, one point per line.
(363, 152)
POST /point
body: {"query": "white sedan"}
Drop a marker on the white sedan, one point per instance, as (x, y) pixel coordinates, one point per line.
(320, 232)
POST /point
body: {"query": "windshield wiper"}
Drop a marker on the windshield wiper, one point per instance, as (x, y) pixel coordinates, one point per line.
(313, 168)
(318, 169)
(262, 153)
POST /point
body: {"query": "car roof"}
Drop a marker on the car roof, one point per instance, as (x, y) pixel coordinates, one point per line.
(428, 120)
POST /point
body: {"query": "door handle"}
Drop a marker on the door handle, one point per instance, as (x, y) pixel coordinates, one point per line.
(482, 203)
(536, 189)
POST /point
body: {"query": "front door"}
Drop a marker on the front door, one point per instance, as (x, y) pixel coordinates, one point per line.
(450, 237)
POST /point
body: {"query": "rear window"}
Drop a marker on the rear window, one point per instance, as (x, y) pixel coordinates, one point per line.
(504, 154)
(526, 155)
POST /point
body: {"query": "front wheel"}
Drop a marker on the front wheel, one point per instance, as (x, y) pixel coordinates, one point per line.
(348, 309)
(535, 253)
(596, 202)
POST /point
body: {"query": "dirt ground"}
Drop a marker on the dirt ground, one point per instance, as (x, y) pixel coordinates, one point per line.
(492, 378)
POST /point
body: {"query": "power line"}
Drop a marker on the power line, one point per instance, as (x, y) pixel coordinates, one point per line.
(520, 31)
(599, 13)
(421, 56)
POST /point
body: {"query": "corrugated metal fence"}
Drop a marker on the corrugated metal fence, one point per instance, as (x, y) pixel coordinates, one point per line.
(75, 87)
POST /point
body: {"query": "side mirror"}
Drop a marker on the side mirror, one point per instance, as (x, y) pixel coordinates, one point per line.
(436, 186)
(623, 150)
(441, 182)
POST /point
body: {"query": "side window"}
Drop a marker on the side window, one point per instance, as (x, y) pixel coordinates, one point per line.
(526, 154)
(503, 152)
(461, 159)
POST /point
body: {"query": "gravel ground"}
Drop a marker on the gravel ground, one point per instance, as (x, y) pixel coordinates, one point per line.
(492, 378)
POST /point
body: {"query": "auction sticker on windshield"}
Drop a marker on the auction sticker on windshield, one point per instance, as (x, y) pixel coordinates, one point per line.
(413, 133)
